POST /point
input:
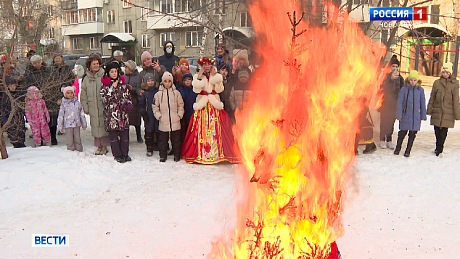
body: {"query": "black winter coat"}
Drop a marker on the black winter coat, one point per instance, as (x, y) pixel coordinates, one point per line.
(145, 108)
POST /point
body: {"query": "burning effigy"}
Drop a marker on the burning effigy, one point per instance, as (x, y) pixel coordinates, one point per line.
(296, 136)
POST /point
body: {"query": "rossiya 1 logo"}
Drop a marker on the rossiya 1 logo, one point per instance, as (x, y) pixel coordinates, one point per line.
(398, 14)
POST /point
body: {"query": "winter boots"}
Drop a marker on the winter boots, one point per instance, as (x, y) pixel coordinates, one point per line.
(370, 148)
(101, 151)
(149, 143)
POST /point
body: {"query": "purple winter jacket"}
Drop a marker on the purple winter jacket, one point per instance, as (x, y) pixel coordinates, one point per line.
(71, 114)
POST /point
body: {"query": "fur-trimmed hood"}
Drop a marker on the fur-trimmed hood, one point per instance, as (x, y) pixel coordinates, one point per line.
(107, 80)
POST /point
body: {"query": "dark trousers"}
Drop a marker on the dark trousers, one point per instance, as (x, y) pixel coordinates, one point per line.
(401, 135)
(149, 136)
(53, 130)
(119, 142)
(16, 129)
(175, 141)
(441, 135)
(387, 122)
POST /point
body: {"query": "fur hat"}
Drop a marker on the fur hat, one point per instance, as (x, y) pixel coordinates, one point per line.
(241, 54)
(117, 53)
(145, 55)
(148, 76)
(394, 60)
(36, 58)
(413, 74)
(131, 65)
(183, 60)
(167, 75)
(448, 67)
(68, 88)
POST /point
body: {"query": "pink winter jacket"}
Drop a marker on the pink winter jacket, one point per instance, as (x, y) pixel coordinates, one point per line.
(36, 111)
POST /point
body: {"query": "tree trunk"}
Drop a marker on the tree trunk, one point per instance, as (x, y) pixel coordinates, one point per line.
(3, 151)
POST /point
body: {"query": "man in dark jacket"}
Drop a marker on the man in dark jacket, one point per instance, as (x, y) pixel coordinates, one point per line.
(390, 90)
(169, 59)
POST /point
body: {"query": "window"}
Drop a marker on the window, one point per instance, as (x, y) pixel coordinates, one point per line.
(127, 27)
(182, 5)
(50, 11)
(167, 36)
(127, 3)
(145, 41)
(51, 33)
(111, 16)
(220, 6)
(166, 6)
(434, 14)
(74, 17)
(77, 43)
(245, 20)
(193, 38)
(93, 43)
(144, 12)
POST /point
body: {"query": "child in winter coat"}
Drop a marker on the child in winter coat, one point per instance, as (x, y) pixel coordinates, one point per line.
(38, 116)
(169, 109)
(145, 109)
(189, 97)
(116, 100)
(71, 118)
(240, 93)
(410, 112)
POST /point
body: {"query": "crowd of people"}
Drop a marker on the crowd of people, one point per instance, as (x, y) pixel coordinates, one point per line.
(183, 114)
(188, 116)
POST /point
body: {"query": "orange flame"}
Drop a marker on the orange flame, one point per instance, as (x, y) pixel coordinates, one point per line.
(297, 133)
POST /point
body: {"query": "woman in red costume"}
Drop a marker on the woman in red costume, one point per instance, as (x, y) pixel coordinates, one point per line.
(209, 139)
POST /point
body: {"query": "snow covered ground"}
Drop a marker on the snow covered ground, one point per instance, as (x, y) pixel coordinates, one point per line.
(396, 207)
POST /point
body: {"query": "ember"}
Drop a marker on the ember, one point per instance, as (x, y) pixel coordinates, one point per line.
(296, 135)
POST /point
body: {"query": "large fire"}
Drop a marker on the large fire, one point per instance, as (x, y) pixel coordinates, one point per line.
(296, 136)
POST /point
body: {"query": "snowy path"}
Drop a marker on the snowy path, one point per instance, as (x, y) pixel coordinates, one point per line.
(396, 207)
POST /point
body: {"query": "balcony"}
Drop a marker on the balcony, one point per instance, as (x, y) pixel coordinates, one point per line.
(83, 28)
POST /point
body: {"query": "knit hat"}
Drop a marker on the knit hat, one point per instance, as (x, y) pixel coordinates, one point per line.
(110, 66)
(243, 73)
(79, 71)
(413, 74)
(187, 75)
(145, 55)
(183, 60)
(167, 75)
(148, 76)
(131, 65)
(68, 88)
(447, 67)
(35, 58)
(394, 60)
(117, 53)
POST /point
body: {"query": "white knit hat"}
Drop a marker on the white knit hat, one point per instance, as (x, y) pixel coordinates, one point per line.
(167, 75)
(117, 53)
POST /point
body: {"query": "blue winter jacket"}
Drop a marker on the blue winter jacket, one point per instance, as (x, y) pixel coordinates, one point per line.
(145, 109)
(189, 98)
(411, 107)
